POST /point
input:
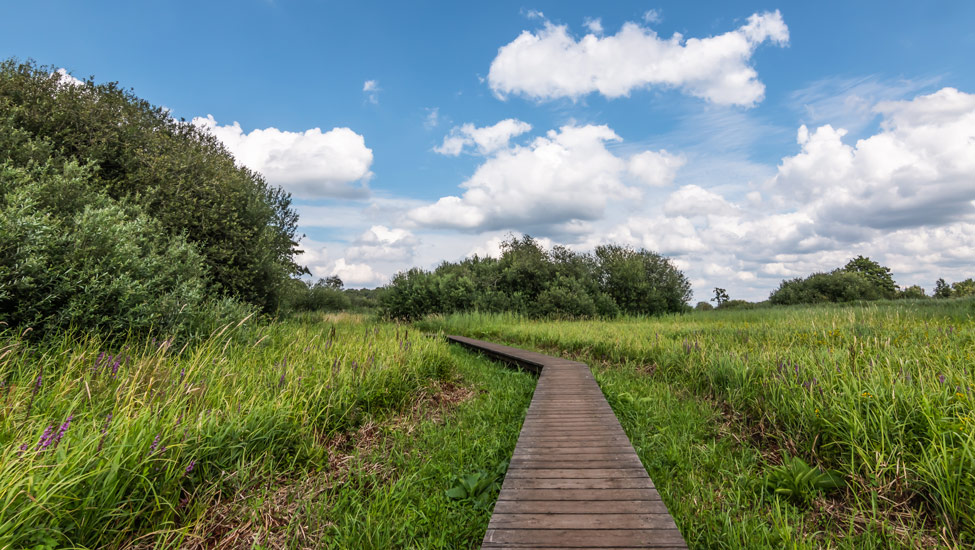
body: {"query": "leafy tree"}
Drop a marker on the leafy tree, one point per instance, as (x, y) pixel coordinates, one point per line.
(913, 292)
(860, 279)
(641, 281)
(703, 306)
(179, 175)
(942, 289)
(720, 296)
(536, 282)
(333, 282)
(836, 286)
(963, 288)
(877, 274)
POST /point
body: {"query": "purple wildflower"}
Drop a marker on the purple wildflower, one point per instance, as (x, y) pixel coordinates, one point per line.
(115, 367)
(155, 443)
(22, 450)
(45, 439)
(189, 468)
(62, 431)
(182, 375)
(941, 378)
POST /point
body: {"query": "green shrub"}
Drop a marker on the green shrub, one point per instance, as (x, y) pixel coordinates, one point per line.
(913, 292)
(836, 286)
(181, 176)
(70, 256)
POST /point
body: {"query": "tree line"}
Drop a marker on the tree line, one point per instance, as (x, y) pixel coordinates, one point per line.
(861, 279)
(530, 280)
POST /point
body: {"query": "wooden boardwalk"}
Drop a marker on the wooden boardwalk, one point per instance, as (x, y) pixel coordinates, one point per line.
(574, 480)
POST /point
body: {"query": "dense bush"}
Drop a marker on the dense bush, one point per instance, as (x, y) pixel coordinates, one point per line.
(530, 280)
(963, 288)
(180, 176)
(71, 256)
(958, 289)
(860, 279)
(913, 292)
(320, 296)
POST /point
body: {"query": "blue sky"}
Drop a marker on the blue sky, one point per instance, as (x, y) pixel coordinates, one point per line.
(411, 133)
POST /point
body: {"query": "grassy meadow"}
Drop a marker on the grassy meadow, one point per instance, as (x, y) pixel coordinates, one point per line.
(316, 432)
(720, 405)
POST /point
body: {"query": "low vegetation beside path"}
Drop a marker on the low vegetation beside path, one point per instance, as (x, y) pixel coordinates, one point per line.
(828, 426)
(315, 432)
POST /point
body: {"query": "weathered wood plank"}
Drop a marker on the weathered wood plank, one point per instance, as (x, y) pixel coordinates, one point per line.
(570, 473)
(589, 538)
(581, 521)
(577, 483)
(593, 495)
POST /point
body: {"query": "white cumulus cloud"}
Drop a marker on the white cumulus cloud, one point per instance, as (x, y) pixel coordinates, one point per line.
(486, 140)
(556, 183)
(310, 164)
(917, 171)
(552, 64)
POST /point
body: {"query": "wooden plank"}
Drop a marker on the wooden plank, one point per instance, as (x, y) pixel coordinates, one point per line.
(592, 495)
(582, 521)
(577, 483)
(617, 507)
(569, 473)
(577, 464)
(587, 538)
(574, 480)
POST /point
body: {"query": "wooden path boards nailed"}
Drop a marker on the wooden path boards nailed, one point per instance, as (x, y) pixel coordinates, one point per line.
(574, 480)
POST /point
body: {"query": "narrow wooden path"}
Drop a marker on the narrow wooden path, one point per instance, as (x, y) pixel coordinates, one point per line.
(574, 480)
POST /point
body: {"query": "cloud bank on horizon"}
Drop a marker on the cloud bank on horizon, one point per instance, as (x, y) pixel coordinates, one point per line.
(899, 189)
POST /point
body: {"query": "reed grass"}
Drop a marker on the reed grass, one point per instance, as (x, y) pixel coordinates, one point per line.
(136, 445)
(881, 392)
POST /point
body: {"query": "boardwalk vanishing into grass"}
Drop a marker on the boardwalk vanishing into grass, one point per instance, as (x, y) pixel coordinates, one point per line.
(574, 480)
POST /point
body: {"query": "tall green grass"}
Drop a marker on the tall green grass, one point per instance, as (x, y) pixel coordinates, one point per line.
(136, 444)
(880, 392)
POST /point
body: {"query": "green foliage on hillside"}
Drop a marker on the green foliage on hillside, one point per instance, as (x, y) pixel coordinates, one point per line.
(171, 191)
(530, 280)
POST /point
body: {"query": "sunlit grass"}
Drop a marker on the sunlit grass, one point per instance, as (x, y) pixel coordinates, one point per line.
(880, 392)
(145, 444)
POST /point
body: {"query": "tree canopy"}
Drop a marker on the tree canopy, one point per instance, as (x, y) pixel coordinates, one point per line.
(860, 279)
(114, 215)
(137, 155)
(533, 281)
